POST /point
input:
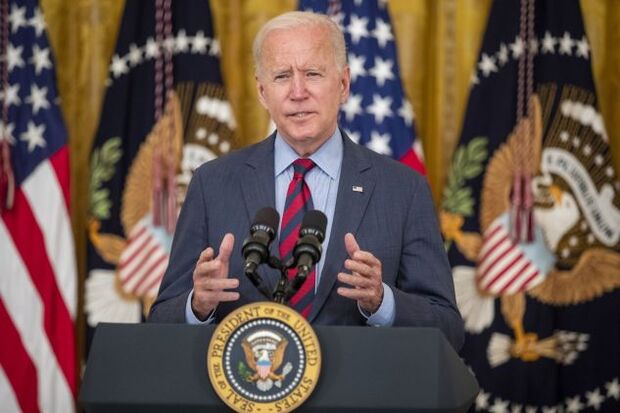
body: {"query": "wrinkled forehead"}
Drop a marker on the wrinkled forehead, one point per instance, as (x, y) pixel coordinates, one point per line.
(302, 46)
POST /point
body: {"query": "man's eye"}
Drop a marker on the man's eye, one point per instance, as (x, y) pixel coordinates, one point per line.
(314, 74)
(281, 77)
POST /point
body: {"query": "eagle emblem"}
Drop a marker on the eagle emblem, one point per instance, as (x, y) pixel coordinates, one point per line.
(195, 127)
(575, 254)
(264, 354)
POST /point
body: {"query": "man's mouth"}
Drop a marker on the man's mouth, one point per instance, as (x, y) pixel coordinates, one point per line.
(300, 115)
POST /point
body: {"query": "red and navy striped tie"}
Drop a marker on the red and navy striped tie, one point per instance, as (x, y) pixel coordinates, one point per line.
(298, 202)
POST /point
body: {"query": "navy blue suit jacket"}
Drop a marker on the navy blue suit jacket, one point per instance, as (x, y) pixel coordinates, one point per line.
(393, 218)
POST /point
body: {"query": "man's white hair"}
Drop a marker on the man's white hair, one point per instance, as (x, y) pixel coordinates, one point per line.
(295, 19)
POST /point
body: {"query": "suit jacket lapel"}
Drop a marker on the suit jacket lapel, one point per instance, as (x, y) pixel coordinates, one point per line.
(258, 186)
(350, 208)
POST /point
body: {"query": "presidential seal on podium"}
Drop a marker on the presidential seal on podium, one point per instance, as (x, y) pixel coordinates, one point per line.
(264, 357)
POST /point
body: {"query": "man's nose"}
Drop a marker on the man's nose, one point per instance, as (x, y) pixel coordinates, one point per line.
(298, 87)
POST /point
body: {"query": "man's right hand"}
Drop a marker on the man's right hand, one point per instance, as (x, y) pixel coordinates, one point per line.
(211, 279)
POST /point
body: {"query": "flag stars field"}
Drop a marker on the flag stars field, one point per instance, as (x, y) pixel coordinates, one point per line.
(358, 28)
(7, 133)
(37, 22)
(491, 63)
(175, 44)
(14, 57)
(406, 112)
(356, 65)
(380, 107)
(377, 113)
(352, 107)
(502, 55)
(34, 136)
(37, 98)
(583, 48)
(380, 143)
(134, 55)
(182, 42)
(200, 43)
(12, 95)
(17, 18)
(566, 44)
(517, 47)
(487, 65)
(382, 70)
(382, 32)
(40, 59)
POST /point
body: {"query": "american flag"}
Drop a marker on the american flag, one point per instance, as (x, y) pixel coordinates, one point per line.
(37, 266)
(377, 113)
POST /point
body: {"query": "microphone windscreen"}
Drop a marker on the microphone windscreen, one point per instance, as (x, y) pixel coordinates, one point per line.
(269, 217)
(314, 222)
(266, 219)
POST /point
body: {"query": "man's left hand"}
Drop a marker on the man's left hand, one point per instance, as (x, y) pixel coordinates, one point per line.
(365, 278)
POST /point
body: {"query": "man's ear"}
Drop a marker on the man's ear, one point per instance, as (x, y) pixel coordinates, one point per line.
(260, 90)
(345, 84)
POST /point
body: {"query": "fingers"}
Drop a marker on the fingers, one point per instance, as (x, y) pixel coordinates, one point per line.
(210, 298)
(355, 280)
(356, 253)
(214, 284)
(350, 243)
(210, 266)
(370, 267)
(210, 278)
(364, 284)
(226, 248)
(364, 296)
(206, 255)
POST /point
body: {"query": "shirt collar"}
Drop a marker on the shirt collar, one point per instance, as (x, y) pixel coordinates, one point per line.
(328, 157)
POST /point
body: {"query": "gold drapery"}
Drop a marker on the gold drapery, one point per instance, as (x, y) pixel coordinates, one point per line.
(438, 42)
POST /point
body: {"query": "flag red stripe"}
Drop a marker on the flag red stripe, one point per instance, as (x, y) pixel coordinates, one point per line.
(530, 278)
(495, 262)
(60, 163)
(28, 240)
(19, 368)
(125, 262)
(505, 269)
(133, 237)
(483, 261)
(524, 266)
(155, 282)
(140, 264)
(148, 271)
(490, 234)
(410, 159)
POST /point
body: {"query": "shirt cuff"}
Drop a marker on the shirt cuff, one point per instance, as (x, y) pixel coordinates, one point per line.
(384, 316)
(190, 317)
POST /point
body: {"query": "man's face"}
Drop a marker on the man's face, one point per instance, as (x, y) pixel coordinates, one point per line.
(300, 85)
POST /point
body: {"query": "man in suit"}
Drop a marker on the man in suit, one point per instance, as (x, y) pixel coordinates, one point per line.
(384, 262)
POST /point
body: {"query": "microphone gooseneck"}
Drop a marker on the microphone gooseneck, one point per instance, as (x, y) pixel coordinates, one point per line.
(255, 248)
(308, 249)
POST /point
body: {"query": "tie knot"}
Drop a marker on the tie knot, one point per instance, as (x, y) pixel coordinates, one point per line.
(302, 166)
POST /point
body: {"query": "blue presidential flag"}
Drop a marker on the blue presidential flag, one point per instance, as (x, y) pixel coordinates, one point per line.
(165, 113)
(531, 218)
(377, 113)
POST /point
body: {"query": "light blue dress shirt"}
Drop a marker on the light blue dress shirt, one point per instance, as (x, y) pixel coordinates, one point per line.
(323, 182)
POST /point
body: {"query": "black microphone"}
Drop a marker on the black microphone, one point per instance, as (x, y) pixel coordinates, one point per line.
(308, 250)
(255, 248)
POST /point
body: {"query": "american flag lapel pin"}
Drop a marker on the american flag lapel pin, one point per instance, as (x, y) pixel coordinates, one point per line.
(357, 188)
